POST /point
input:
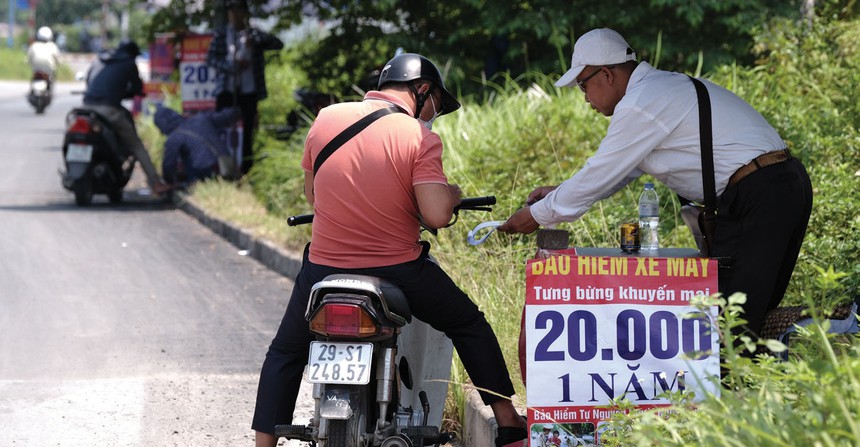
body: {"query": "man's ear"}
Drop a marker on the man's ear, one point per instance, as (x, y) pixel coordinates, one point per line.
(610, 75)
(424, 88)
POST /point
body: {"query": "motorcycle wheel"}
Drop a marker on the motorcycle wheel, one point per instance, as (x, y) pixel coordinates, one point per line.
(115, 196)
(83, 189)
(343, 433)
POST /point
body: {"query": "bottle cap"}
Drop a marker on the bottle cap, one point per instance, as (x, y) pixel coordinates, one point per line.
(649, 185)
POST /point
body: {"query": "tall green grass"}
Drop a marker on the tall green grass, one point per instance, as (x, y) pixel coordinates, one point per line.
(525, 133)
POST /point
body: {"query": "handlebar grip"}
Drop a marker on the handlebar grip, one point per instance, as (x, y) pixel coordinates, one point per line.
(476, 202)
(301, 219)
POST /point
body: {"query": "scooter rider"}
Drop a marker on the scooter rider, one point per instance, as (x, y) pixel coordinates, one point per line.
(44, 55)
(368, 198)
(112, 78)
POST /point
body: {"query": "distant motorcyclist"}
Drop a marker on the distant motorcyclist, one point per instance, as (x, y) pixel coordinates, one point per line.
(112, 78)
(43, 54)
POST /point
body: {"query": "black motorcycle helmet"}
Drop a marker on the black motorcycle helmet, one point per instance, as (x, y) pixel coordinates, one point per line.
(129, 47)
(408, 67)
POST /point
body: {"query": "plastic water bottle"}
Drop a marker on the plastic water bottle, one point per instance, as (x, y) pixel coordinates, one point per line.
(649, 218)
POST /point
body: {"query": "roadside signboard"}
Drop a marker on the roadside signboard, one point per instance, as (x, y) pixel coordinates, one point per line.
(615, 327)
(197, 80)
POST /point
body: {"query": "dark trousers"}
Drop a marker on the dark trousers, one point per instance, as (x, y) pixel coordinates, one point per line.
(761, 223)
(250, 120)
(433, 298)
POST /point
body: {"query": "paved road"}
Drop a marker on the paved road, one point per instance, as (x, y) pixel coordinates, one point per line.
(128, 325)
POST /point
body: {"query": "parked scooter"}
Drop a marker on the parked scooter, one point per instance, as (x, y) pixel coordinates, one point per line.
(39, 95)
(95, 162)
(360, 359)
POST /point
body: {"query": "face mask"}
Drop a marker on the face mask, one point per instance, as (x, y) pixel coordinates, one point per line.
(429, 124)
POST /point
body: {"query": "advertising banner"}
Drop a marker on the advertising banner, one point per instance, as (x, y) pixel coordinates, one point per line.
(162, 57)
(610, 328)
(197, 79)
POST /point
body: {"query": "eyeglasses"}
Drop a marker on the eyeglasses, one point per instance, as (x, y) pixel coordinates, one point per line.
(581, 84)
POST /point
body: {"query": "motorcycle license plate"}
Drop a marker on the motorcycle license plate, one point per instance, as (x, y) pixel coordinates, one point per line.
(338, 362)
(79, 152)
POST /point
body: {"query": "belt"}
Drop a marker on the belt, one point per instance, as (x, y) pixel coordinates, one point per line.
(770, 158)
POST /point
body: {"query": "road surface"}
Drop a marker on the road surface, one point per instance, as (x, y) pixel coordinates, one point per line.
(126, 325)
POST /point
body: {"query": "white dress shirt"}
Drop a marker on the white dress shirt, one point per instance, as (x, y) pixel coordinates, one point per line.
(655, 131)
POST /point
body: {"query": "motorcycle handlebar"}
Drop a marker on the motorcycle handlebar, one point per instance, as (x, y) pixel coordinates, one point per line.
(476, 203)
(471, 203)
(301, 219)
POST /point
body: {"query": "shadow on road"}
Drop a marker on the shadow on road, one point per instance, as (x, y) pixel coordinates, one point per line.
(131, 203)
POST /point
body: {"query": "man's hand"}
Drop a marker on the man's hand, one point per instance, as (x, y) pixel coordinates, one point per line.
(521, 222)
(539, 193)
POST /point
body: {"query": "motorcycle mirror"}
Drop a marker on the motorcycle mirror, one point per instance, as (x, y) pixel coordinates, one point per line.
(405, 373)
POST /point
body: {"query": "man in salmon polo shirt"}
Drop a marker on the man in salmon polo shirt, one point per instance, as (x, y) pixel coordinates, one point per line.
(370, 198)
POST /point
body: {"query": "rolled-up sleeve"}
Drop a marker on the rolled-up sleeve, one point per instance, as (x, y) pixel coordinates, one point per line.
(632, 135)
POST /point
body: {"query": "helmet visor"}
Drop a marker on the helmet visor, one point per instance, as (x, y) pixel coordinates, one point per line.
(449, 102)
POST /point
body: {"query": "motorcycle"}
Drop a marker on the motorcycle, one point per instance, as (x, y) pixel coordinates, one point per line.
(366, 346)
(94, 160)
(39, 95)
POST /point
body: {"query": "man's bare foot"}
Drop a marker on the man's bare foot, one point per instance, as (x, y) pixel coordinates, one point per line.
(161, 188)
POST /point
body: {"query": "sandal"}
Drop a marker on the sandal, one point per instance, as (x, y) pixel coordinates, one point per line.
(511, 437)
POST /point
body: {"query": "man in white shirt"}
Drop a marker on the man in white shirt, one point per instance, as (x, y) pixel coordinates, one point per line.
(764, 195)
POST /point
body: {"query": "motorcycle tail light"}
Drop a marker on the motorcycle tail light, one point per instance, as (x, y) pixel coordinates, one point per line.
(343, 320)
(80, 125)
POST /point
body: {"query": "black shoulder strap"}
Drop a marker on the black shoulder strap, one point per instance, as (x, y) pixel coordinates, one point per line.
(348, 133)
(707, 143)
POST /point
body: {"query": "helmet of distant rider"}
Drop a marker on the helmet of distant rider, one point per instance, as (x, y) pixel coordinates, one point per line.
(408, 67)
(44, 34)
(129, 47)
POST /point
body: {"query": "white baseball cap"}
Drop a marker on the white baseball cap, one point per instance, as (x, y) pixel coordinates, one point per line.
(597, 47)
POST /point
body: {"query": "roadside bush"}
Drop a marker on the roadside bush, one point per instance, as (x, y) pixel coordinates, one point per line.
(812, 399)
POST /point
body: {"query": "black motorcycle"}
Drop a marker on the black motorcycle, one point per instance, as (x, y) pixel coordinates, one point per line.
(95, 162)
(361, 366)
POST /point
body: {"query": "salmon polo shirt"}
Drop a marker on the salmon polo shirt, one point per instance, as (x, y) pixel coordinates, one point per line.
(365, 211)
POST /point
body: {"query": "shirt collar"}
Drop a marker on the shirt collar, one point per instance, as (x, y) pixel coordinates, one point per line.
(642, 70)
(390, 98)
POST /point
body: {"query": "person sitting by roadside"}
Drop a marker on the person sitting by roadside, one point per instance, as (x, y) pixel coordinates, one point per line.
(195, 144)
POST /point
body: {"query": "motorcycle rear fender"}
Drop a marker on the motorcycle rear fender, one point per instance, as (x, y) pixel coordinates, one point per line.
(75, 170)
(384, 296)
(106, 132)
(338, 403)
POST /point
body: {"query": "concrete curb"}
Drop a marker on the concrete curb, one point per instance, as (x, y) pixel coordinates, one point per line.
(274, 257)
(479, 425)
